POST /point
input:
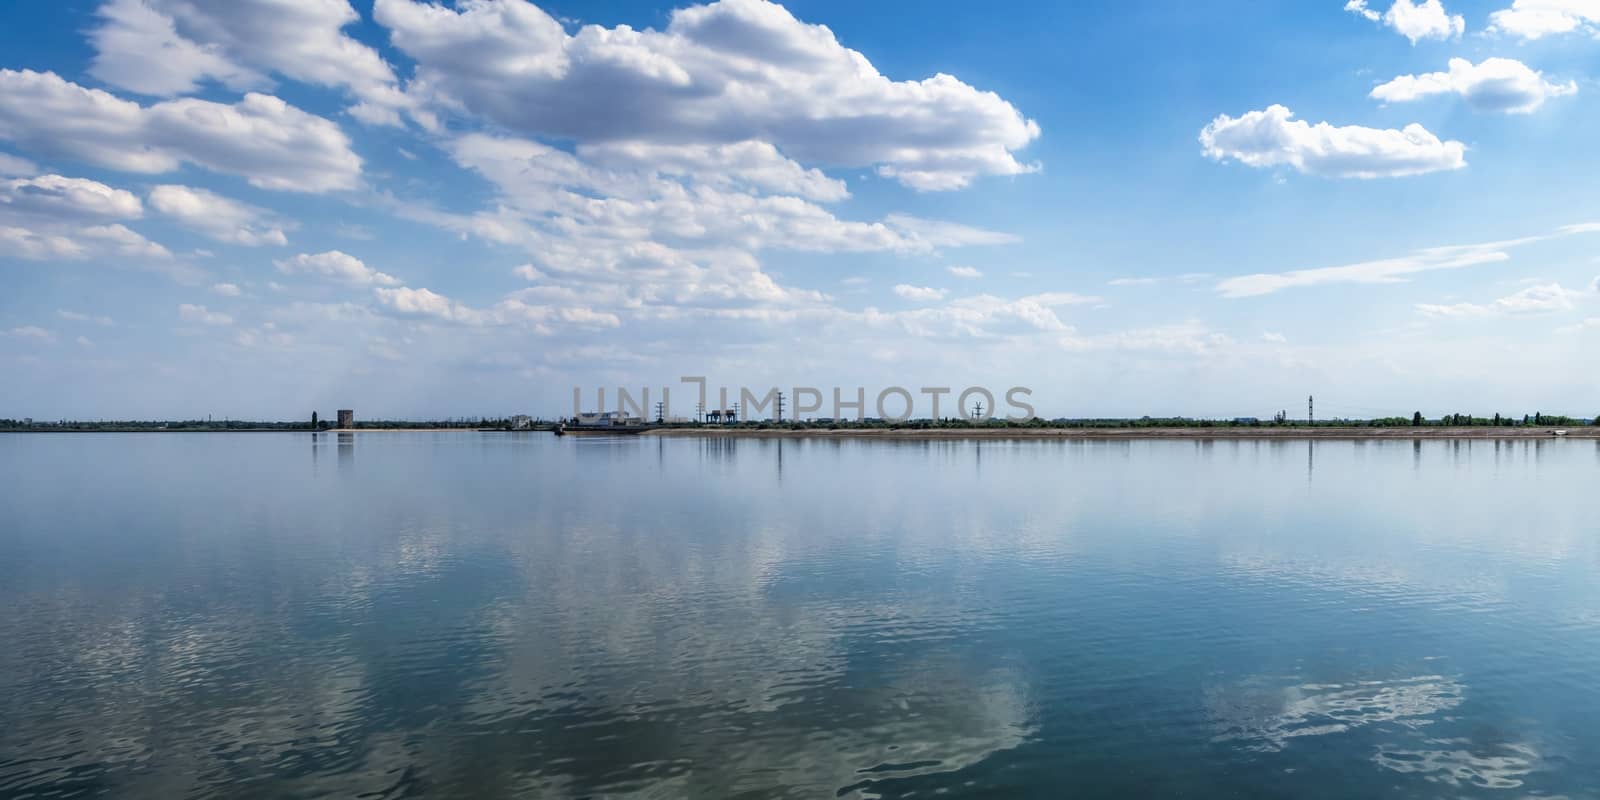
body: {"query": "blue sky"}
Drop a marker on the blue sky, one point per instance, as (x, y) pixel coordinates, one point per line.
(256, 209)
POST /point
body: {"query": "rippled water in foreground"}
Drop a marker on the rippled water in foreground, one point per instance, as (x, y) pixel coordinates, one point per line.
(475, 615)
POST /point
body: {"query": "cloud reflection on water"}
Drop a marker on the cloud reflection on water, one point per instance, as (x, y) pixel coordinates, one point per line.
(1468, 765)
(1269, 719)
(465, 615)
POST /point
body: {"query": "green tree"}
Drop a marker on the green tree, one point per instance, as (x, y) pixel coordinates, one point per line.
(1416, 419)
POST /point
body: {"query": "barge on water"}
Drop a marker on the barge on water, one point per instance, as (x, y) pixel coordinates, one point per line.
(606, 423)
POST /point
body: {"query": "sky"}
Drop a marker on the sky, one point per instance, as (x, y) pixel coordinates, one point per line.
(261, 208)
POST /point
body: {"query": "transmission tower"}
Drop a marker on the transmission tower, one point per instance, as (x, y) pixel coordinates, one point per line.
(977, 410)
(779, 418)
(1311, 410)
(660, 412)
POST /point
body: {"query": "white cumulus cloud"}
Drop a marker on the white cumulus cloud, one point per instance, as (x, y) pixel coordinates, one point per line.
(32, 332)
(754, 164)
(189, 312)
(76, 243)
(139, 49)
(1272, 138)
(171, 47)
(62, 198)
(215, 216)
(918, 294)
(423, 303)
(335, 265)
(726, 72)
(1415, 21)
(1536, 19)
(261, 138)
(1496, 84)
(79, 316)
(964, 272)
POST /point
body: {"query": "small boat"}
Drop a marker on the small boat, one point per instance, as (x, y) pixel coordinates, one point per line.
(1558, 432)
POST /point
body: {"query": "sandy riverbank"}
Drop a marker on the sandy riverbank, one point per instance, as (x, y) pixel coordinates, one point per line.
(1590, 432)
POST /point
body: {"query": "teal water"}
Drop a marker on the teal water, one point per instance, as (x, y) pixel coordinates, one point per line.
(481, 615)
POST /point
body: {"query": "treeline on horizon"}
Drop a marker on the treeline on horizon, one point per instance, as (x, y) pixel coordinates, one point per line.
(1416, 420)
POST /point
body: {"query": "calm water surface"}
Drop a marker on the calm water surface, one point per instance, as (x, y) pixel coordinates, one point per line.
(477, 615)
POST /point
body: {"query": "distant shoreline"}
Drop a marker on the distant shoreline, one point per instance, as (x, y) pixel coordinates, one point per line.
(956, 434)
(1351, 433)
(258, 430)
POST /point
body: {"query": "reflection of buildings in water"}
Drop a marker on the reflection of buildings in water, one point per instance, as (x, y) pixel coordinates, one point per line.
(718, 448)
(347, 450)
